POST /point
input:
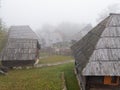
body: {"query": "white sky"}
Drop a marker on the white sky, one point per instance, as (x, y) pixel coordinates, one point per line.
(38, 12)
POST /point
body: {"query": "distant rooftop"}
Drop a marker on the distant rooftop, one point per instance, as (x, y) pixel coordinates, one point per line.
(23, 31)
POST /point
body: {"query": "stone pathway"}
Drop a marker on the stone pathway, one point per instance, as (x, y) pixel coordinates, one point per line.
(53, 64)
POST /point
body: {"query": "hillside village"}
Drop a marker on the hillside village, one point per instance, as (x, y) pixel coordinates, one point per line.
(58, 41)
(96, 54)
(55, 35)
(73, 47)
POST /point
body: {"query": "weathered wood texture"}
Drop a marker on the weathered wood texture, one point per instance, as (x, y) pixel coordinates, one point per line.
(17, 63)
(104, 87)
(22, 32)
(98, 53)
(22, 45)
(20, 49)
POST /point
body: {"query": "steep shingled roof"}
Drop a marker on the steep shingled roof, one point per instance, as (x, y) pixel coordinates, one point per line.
(21, 45)
(98, 53)
(22, 31)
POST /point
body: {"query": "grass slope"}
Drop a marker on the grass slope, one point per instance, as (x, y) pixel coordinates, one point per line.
(55, 58)
(47, 78)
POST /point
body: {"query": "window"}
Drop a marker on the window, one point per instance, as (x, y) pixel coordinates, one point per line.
(111, 80)
(107, 80)
(114, 79)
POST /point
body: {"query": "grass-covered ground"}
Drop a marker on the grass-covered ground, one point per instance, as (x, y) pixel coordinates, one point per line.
(47, 78)
(54, 59)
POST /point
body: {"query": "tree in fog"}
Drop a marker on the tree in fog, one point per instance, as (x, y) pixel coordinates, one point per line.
(79, 35)
(114, 8)
(69, 29)
(3, 35)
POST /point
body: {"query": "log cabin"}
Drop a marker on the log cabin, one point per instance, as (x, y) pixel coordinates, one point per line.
(22, 48)
(97, 56)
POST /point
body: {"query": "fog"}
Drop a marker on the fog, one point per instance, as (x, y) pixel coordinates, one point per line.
(39, 12)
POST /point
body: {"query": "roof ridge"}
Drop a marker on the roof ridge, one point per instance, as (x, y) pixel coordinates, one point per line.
(114, 14)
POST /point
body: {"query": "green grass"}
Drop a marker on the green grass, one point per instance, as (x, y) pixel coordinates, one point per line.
(55, 58)
(43, 54)
(47, 78)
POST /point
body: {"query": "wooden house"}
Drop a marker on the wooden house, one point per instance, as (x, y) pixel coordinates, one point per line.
(22, 47)
(97, 56)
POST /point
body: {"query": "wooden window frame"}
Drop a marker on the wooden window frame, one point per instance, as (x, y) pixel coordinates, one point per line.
(108, 80)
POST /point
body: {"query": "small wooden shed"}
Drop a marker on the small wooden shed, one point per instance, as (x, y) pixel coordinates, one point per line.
(97, 56)
(22, 47)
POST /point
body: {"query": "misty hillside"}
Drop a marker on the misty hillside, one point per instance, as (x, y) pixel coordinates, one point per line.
(69, 29)
(64, 32)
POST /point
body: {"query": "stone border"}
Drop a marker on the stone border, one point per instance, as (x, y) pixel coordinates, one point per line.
(63, 81)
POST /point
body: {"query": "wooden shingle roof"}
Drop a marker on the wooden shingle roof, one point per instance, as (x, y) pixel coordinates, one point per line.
(21, 45)
(22, 32)
(98, 53)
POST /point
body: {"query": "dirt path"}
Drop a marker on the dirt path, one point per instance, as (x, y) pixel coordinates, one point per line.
(53, 64)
